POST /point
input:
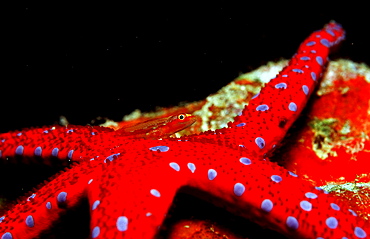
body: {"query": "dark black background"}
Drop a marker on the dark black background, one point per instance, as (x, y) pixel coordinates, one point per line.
(88, 60)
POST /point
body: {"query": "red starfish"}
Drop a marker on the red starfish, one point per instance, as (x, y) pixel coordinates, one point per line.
(130, 184)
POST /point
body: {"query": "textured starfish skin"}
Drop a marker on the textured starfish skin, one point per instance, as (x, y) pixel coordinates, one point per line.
(130, 184)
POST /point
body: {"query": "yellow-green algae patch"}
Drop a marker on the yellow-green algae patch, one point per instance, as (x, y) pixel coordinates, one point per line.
(327, 137)
(230, 99)
(342, 70)
(323, 143)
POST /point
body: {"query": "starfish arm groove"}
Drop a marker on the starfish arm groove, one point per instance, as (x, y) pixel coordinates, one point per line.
(36, 213)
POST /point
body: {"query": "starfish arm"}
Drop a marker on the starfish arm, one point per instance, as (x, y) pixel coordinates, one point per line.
(136, 202)
(32, 216)
(133, 207)
(265, 121)
(51, 144)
